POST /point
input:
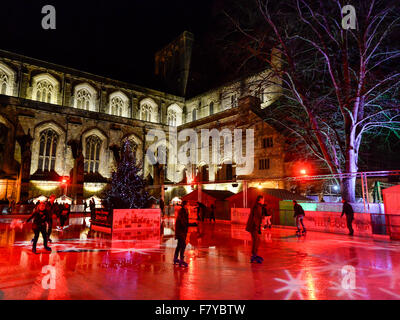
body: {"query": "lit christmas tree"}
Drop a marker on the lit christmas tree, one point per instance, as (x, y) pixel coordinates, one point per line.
(127, 190)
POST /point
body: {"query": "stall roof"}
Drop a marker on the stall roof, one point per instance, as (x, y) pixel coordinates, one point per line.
(215, 194)
(218, 194)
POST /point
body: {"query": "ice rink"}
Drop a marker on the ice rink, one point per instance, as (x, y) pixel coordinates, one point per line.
(93, 265)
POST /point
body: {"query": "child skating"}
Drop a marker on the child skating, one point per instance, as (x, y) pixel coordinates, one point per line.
(40, 220)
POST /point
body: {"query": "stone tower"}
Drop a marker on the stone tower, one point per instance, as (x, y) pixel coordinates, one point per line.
(172, 63)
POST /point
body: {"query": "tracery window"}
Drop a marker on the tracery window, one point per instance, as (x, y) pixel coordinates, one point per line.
(146, 112)
(44, 91)
(83, 98)
(47, 150)
(3, 82)
(171, 118)
(117, 106)
(92, 154)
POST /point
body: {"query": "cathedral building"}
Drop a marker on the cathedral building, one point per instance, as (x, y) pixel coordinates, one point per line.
(61, 128)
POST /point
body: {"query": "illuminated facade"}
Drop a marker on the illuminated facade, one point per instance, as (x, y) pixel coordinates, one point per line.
(59, 122)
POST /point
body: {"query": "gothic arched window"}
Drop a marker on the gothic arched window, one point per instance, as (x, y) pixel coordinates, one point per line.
(171, 118)
(7, 78)
(211, 108)
(47, 150)
(83, 98)
(44, 91)
(117, 106)
(146, 112)
(194, 114)
(92, 154)
(3, 83)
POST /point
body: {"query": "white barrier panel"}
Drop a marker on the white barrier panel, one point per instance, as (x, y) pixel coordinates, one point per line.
(240, 215)
(132, 219)
(332, 222)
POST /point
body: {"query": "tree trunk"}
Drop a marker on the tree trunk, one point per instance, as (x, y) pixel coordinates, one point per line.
(349, 184)
(348, 187)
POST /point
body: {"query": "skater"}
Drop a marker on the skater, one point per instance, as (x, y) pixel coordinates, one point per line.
(267, 215)
(181, 230)
(64, 215)
(212, 212)
(40, 219)
(299, 215)
(348, 211)
(254, 227)
(198, 209)
(92, 207)
(52, 209)
(201, 211)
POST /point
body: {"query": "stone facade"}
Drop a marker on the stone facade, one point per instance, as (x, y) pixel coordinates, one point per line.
(55, 120)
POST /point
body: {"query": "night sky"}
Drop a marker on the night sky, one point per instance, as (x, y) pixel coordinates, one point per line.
(115, 38)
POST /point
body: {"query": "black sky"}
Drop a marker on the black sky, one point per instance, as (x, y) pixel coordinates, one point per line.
(111, 38)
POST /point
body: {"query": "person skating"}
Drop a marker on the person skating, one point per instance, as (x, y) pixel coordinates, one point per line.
(299, 215)
(253, 226)
(92, 206)
(52, 209)
(348, 211)
(212, 212)
(40, 220)
(267, 215)
(64, 214)
(181, 230)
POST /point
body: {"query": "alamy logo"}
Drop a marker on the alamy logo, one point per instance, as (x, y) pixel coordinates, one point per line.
(191, 151)
(49, 20)
(349, 18)
(349, 277)
(49, 280)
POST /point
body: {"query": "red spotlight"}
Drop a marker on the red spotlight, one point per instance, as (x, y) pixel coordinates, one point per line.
(303, 171)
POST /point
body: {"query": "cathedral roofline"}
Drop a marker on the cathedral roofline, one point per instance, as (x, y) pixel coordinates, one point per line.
(56, 67)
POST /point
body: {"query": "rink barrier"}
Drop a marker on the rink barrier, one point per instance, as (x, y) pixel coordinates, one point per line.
(364, 224)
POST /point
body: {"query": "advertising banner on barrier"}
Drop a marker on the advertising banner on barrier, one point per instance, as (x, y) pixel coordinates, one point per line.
(240, 215)
(132, 219)
(332, 222)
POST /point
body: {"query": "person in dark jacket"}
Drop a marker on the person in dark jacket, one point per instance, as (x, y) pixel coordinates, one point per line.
(181, 230)
(64, 214)
(253, 226)
(52, 209)
(212, 212)
(40, 220)
(92, 206)
(348, 211)
(299, 215)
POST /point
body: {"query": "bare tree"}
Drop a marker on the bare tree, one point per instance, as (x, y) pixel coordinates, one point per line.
(335, 84)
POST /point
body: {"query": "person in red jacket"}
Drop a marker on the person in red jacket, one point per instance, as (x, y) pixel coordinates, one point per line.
(254, 227)
(181, 230)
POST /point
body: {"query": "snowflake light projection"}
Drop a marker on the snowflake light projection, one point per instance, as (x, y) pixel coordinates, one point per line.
(393, 275)
(89, 245)
(293, 285)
